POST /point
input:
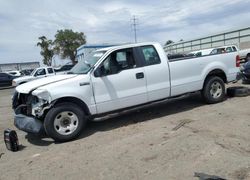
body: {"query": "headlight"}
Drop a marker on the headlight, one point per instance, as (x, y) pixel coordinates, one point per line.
(42, 94)
(14, 83)
(41, 100)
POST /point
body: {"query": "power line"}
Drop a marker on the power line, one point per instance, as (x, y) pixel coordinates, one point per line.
(134, 25)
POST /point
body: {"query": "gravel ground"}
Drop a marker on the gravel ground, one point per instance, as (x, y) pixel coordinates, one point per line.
(170, 140)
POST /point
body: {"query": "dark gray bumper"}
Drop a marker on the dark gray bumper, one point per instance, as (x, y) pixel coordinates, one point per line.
(239, 76)
(28, 124)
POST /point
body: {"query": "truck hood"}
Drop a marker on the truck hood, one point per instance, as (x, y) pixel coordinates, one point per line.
(24, 78)
(32, 85)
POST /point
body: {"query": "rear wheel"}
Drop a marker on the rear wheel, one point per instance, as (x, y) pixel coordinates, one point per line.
(64, 122)
(213, 90)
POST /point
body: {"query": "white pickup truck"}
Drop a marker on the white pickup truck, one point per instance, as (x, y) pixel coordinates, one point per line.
(36, 74)
(245, 54)
(113, 79)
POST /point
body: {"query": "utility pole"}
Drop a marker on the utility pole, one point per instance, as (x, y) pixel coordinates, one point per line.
(134, 24)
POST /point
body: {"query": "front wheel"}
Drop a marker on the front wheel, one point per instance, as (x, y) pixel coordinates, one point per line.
(213, 90)
(64, 122)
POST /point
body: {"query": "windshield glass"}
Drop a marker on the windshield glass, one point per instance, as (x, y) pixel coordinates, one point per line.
(83, 67)
(33, 72)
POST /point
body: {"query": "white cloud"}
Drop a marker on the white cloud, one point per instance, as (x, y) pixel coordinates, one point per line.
(22, 22)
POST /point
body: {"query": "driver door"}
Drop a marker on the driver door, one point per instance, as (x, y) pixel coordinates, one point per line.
(122, 82)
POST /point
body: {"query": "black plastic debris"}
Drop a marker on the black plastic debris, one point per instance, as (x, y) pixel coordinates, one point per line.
(11, 140)
(203, 176)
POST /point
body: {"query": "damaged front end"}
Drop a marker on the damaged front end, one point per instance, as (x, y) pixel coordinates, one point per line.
(30, 110)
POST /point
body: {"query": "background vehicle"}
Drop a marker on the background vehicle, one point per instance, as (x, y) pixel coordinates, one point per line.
(202, 52)
(117, 78)
(36, 74)
(64, 69)
(245, 54)
(6, 79)
(245, 72)
(14, 73)
(26, 72)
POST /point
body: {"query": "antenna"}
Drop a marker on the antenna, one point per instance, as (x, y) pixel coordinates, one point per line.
(134, 24)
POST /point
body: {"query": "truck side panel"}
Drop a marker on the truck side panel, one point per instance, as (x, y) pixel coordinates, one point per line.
(188, 75)
(158, 77)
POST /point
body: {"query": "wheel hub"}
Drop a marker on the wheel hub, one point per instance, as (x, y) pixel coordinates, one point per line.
(66, 122)
(216, 90)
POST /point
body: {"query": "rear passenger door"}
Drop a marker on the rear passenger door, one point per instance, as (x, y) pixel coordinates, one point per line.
(122, 83)
(157, 74)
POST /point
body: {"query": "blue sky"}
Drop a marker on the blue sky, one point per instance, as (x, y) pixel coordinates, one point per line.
(22, 22)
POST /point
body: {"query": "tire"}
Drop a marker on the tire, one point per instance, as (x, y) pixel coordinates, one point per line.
(213, 90)
(64, 122)
(238, 91)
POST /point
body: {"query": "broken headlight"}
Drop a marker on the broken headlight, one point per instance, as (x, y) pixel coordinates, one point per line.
(40, 102)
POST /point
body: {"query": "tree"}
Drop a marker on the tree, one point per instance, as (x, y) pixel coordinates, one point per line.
(46, 50)
(169, 42)
(66, 42)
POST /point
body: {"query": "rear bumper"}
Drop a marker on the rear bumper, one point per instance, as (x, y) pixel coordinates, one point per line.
(28, 124)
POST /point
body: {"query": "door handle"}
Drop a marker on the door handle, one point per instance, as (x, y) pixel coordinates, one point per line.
(139, 75)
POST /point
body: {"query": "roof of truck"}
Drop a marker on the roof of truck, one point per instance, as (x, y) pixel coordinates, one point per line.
(127, 46)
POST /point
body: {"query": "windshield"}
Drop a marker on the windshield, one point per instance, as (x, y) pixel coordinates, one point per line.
(87, 63)
(33, 72)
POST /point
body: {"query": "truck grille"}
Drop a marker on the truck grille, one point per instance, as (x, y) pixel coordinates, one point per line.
(21, 103)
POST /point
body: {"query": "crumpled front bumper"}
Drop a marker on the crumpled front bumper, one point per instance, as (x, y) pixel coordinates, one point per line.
(28, 124)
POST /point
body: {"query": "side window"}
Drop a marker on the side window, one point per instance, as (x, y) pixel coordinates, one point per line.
(150, 55)
(198, 54)
(118, 61)
(234, 48)
(229, 49)
(40, 72)
(214, 51)
(50, 71)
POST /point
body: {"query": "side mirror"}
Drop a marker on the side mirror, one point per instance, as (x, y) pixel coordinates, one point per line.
(98, 72)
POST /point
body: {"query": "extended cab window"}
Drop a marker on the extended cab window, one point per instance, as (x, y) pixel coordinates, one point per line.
(118, 61)
(229, 49)
(50, 71)
(150, 55)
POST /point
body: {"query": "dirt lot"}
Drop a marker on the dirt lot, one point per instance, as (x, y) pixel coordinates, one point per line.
(145, 144)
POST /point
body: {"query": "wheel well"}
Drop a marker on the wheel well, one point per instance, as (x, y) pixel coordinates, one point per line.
(76, 101)
(219, 73)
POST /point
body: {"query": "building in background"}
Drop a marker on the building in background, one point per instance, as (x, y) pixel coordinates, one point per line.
(18, 66)
(238, 37)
